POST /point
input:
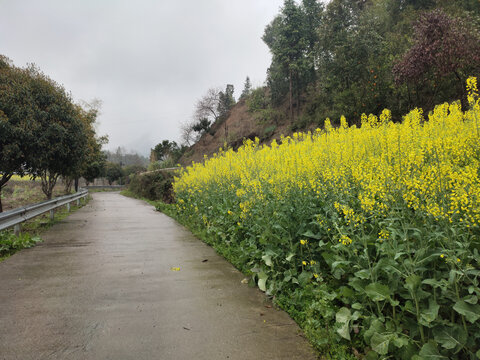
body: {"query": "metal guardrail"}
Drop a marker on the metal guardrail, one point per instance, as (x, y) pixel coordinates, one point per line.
(16, 216)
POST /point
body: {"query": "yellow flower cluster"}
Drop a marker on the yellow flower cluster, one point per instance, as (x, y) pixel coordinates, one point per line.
(429, 164)
(345, 240)
(383, 234)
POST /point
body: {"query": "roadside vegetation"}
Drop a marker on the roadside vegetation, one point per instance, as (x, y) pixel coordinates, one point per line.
(368, 236)
(24, 191)
(153, 186)
(43, 134)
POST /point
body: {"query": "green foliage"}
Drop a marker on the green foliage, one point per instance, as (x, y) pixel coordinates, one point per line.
(113, 172)
(10, 243)
(42, 132)
(16, 121)
(343, 59)
(95, 168)
(259, 105)
(166, 149)
(258, 100)
(153, 186)
(247, 89)
(225, 102)
(60, 144)
(133, 169)
(268, 132)
(202, 126)
(291, 39)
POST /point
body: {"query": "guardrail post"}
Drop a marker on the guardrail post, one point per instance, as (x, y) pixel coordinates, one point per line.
(68, 207)
(52, 214)
(16, 229)
(78, 202)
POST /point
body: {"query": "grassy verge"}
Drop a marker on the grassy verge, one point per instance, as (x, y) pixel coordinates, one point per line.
(22, 191)
(132, 195)
(103, 190)
(31, 231)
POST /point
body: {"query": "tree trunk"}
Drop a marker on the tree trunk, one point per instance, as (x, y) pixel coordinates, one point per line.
(226, 133)
(297, 94)
(76, 184)
(68, 185)
(290, 95)
(463, 99)
(3, 180)
(48, 183)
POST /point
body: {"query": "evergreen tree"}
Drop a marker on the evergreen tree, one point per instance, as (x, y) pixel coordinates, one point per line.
(247, 89)
(291, 37)
(225, 102)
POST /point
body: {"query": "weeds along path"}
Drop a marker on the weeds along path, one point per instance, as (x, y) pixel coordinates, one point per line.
(117, 280)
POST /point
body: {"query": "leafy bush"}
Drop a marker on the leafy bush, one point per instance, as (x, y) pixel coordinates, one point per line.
(153, 186)
(368, 236)
(9, 243)
(268, 132)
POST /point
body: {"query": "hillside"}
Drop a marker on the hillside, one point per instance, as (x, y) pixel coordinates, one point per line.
(241, 124)
(349, 58)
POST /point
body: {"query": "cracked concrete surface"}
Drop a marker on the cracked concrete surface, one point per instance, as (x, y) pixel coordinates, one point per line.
(101, 286)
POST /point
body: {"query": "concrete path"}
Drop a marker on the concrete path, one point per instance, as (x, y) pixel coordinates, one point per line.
(101, 287)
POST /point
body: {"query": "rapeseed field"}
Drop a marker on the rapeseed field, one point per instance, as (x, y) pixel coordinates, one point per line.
(369, 236)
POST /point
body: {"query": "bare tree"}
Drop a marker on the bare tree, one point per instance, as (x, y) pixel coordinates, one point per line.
(207, 106)
(188, 135)
(209, 109)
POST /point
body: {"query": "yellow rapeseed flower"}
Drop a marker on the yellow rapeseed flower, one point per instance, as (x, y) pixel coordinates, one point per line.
(428, 163)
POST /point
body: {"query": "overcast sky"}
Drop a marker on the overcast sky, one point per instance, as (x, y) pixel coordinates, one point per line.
(148, 61)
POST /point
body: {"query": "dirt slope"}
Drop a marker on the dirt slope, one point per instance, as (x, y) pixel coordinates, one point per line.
(240, 125)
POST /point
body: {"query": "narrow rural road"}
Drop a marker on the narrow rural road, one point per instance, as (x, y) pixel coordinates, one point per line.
(101, 286)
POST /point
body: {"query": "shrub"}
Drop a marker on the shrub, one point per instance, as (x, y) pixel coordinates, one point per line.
(153, 186)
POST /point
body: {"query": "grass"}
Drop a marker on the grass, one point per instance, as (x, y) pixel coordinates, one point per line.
(23, 191)
(102, 190)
